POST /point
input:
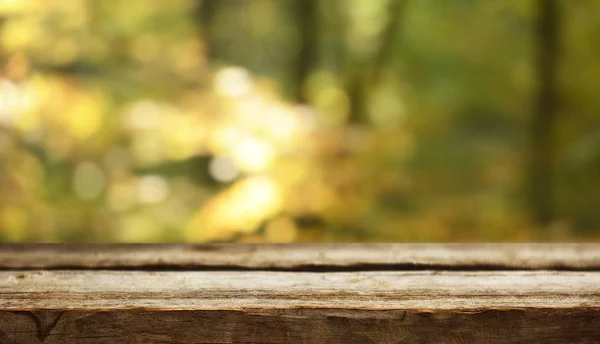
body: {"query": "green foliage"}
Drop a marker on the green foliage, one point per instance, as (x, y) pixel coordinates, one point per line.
(387, 120)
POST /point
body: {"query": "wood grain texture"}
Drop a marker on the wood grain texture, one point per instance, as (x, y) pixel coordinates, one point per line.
(318, 326)
(303, 256)
(299, 307)
(225, 290)
(362, 293)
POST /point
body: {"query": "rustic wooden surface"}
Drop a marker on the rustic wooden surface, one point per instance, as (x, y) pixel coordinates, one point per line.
(319, 326)
(304, 256)
(223, 290)
(299, 294)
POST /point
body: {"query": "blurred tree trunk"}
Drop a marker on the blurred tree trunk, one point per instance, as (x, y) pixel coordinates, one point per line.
(366, 74)
(544, 118)
(388, 40)
(357, 90)
(308, 22)
(205, 19)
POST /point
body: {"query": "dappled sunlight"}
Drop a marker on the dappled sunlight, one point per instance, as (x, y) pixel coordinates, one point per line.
(232, 82)
(253, 155)
(238, 210)
(326, 94)
(223, 169)
(14, 101)
(88, 180)
(281, 230)
(255, 121)
(8, 7)
(152, 189)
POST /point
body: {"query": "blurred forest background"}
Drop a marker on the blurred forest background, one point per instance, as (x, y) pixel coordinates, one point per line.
(299, 120)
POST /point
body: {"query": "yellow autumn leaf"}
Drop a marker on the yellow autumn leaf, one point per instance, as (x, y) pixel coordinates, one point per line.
(85, 115)
(239, 209)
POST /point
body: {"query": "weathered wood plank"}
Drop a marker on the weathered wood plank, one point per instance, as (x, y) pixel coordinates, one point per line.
(234, 290)
(318, 326)
(299, 307)
(303, 256)
(360, 293)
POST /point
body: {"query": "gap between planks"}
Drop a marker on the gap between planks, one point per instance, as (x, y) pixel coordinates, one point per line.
(301, 257)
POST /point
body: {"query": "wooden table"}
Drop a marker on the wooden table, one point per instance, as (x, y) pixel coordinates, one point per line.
(305, 293)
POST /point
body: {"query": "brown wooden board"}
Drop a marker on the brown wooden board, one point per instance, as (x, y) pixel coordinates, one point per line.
(303, 256)
(384, 293)
(327, 326)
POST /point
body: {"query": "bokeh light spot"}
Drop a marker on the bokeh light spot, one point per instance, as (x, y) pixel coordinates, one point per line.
(88, 180)
(253, 155)
(233, 81)
(144, 114)
(152, 189)
(281, 230)
(223, 169)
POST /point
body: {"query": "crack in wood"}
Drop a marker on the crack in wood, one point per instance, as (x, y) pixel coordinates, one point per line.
(45, 322)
